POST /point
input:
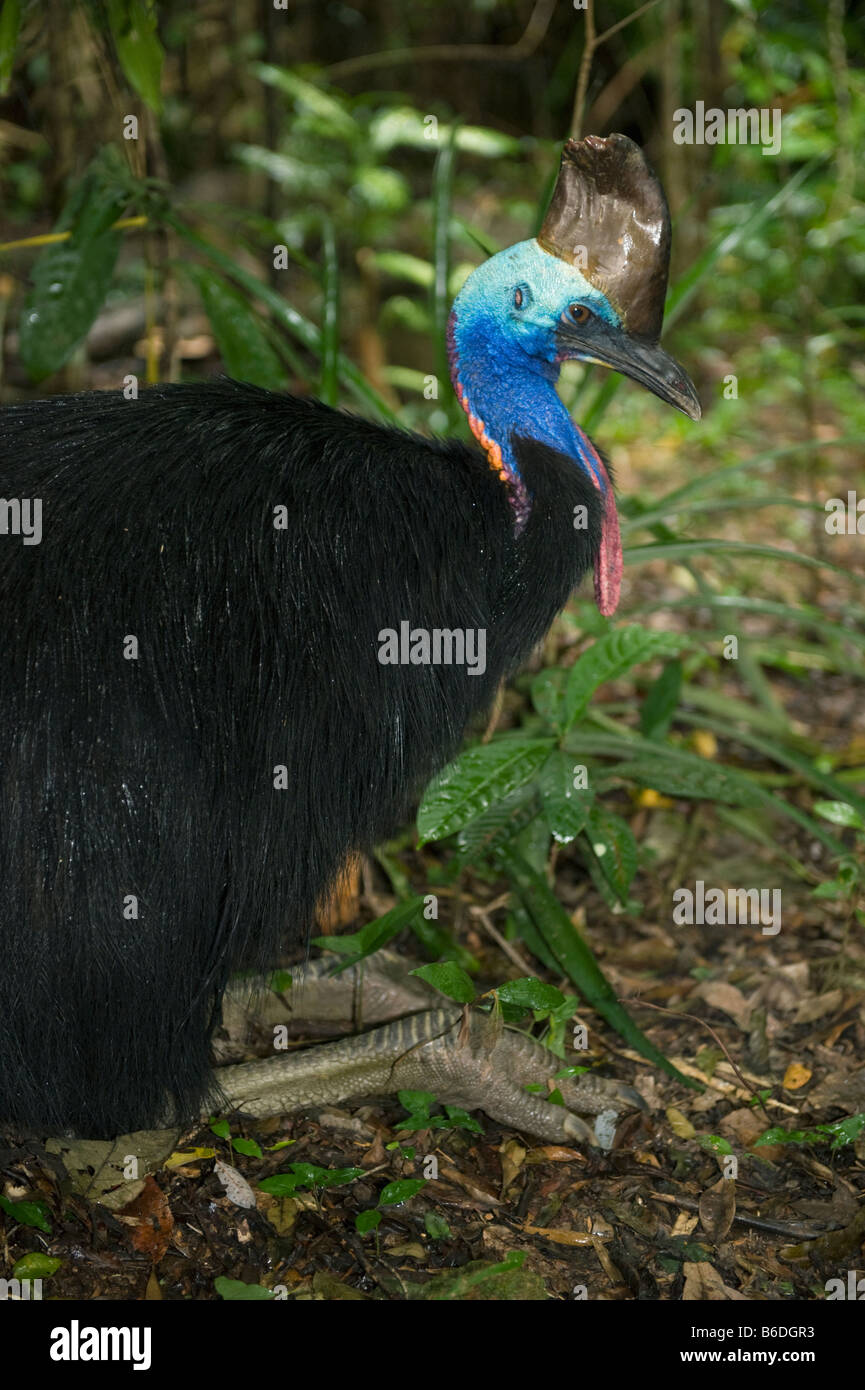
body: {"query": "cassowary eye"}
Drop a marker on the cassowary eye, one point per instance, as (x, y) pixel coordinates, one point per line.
(518, 298)
(579, 313)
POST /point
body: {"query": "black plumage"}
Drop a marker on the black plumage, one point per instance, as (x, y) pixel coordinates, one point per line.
(257, 648)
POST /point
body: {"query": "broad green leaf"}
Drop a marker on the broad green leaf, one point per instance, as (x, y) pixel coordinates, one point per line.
(243, 343)
(534, 843)
(70, 279)
(504, 821)
(133, 26)
(448, 979)
(586, 742)
(693, 776)
(614, 847)
(612, 656)
(565, 805)
(662, 697)
(480, 776)
(530, 993)
(548, 695)
(576, 960)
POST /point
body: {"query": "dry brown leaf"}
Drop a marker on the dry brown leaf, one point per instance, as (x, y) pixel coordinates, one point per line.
(719, 995)
(150, 1219)
(704, 1284)
(819, 1007)
(717, 1209)
(512, 1156)
(742, 1126)
(559, 1237)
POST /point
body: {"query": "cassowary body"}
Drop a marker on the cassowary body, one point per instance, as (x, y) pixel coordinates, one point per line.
(201, 722)
(258, 648)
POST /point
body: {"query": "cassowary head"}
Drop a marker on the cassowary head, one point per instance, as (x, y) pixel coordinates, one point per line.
(591, 287)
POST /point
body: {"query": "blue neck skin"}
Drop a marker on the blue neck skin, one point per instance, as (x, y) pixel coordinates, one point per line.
(508, 395)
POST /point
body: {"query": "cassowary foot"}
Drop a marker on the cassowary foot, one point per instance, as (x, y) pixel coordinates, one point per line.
(464, 1058)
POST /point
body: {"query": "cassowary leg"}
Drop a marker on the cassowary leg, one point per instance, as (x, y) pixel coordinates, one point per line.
(466, 1059)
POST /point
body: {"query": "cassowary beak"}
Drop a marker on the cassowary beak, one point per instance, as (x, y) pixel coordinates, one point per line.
(642, 360)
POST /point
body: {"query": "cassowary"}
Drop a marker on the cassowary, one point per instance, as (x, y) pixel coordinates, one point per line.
(200, 721)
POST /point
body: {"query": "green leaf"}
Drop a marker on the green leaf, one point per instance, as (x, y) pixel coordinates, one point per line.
(393, 1194)
(503, 821)
(457, 1118)
(662, 697)
(715, 1142)
(480, 776)
(530, 993)
(566, 806)
(576, 960)
(436, 1226)
(367, 1221)
(28, 1213)
(840, 813)
(694, 777)
(308, 1175)
(133, 25)
(548, 695)
(35, 1266)
(248, 1147)
(417, 1102)
(610, 657)
(614, 847)
(235, 1291)
(10, 22)
(356, 946)
(243, 344)
(71, 278)
(449, 979)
